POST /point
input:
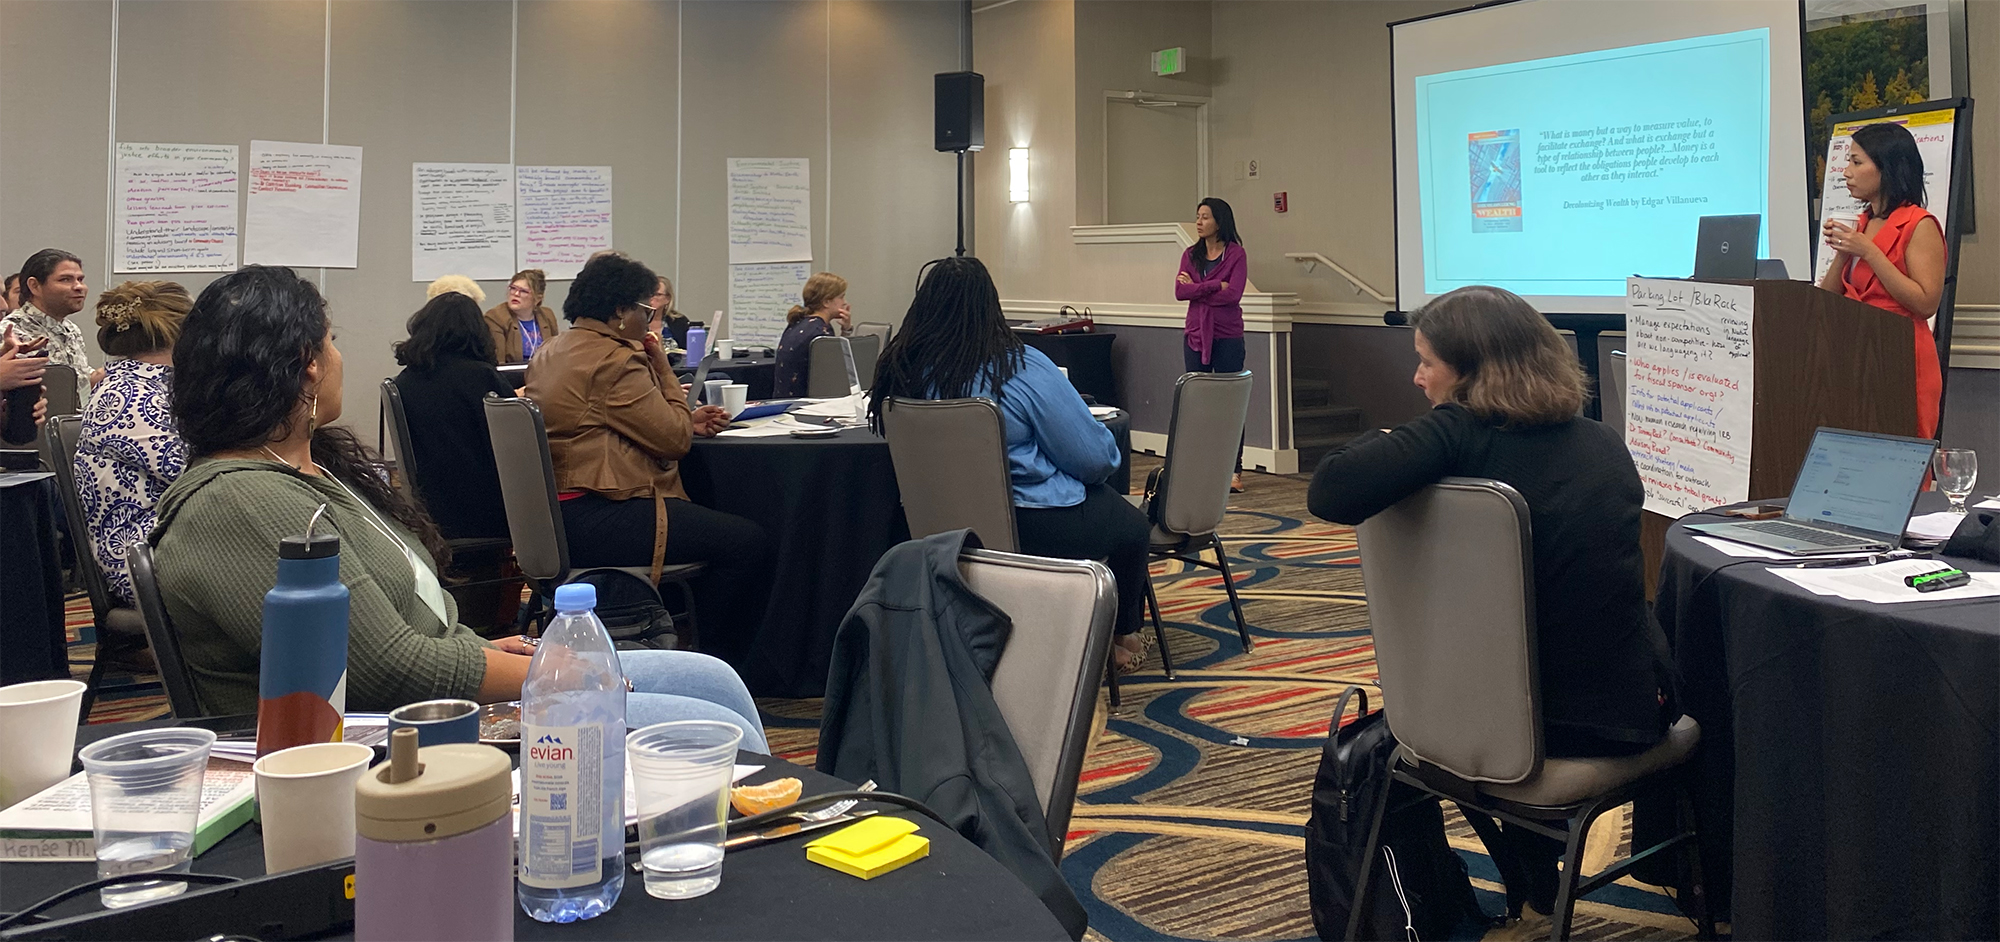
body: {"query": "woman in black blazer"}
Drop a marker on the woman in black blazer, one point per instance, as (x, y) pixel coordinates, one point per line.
(1506, 392)
(447, 372)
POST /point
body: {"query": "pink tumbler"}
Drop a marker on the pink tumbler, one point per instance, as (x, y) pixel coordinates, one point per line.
(434, 844)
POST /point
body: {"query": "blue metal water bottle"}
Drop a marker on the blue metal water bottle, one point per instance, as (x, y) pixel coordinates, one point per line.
(302, 679)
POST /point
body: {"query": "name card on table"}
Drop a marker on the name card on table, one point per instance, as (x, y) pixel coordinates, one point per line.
(1690, 385)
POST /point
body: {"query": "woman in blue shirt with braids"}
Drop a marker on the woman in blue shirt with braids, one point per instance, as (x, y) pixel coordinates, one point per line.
(955, 343)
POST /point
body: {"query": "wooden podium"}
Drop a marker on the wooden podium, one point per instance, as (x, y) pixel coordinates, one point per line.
(1822, 360)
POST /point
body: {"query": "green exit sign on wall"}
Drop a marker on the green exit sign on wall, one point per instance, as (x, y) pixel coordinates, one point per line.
(1170, 61)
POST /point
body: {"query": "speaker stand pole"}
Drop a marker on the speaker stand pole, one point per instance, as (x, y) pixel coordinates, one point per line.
(961, 204)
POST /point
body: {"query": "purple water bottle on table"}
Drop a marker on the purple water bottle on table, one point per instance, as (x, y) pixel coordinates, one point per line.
(302, 674)
(434, 844)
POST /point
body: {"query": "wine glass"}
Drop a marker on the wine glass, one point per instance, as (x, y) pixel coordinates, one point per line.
(1956, 469)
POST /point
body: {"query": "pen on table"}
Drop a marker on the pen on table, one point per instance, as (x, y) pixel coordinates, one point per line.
(1873, 560)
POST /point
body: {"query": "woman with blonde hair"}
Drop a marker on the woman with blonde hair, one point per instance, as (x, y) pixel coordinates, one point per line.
(520, 325)
(128, 450)
(824, 313)
(1505, 392)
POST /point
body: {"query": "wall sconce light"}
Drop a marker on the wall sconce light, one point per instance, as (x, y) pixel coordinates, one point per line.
(1017, 174)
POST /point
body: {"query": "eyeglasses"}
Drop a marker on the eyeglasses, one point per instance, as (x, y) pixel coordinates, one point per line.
(649, 309)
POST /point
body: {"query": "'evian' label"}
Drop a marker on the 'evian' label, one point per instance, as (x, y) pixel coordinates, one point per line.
(562, 796)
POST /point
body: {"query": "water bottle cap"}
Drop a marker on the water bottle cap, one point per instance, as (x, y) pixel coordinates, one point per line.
(576, 597)
(321, 546)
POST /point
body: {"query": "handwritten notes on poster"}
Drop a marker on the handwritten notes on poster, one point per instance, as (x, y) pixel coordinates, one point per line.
(564, 217)
(175, 208)
(759, 296)
(305, 205)
(461, 221)
(770, 210)
(1690, 386)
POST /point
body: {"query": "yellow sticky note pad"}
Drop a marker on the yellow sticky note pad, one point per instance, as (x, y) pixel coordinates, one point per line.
(870, 848)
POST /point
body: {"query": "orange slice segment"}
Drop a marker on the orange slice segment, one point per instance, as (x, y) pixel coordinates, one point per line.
(757, 799)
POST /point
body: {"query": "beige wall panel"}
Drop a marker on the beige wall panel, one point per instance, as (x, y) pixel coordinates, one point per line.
(266, 86)
(55, 78)
(1115, 40)
(1979, 259)
(755, 86)
(892, 193)
(1303, 89)
(1026, 50)
(411, 82)
(597, 87)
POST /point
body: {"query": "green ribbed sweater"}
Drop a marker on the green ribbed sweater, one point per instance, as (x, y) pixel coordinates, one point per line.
(216, 552)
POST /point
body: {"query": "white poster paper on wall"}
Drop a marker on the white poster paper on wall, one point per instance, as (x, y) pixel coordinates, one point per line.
(770, 210)
(564, 217)
(1689, 388)
(305, 205)
(175, 208)
(461, 221)
(759, 297)
(1933, 132)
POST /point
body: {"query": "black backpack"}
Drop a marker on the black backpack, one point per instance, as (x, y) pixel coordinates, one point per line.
(631, 610)
(1420, 888)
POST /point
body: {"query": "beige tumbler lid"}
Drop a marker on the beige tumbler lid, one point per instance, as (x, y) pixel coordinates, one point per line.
(432, 793)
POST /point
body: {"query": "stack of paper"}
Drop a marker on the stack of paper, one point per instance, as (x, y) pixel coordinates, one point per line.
(1883, 584)
(1933, 528)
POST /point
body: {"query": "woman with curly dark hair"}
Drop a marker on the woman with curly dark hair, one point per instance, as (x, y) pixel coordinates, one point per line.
(447, 372)
(618, 424)
(258, 380)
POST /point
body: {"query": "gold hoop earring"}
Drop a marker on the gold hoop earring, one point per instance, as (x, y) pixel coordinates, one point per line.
(312, 416)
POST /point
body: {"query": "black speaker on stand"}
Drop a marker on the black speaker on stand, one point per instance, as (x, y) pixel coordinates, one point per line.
(961, 126)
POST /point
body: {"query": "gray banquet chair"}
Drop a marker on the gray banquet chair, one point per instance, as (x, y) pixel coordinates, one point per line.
(174, 673)
(830, 370)
(1046, 681)
(1187, 497)
(119, 628)
(950, 457)
(1451, 601)
(867, 350)
(534, 516)
(59, 385)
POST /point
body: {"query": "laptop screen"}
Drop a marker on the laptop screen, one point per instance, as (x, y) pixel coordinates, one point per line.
(1864, 482)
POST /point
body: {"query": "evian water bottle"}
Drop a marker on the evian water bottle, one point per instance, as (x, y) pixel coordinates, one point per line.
(572, 840)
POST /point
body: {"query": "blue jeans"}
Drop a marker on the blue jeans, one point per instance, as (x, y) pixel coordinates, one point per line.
(683, 685)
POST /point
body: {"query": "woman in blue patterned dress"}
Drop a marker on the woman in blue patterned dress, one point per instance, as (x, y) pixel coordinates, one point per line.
(129, 450)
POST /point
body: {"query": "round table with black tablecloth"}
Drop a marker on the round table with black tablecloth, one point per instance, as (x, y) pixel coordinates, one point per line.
(831, 508)
(758, 373)
(1849, 770)
(768, 891)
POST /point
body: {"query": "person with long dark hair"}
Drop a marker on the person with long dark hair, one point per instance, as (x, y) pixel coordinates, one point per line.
(618, 426)
(447, 372)
(1214, 271)
(955, 344)
(1893, 257)
(257, 380)
(1505, 392)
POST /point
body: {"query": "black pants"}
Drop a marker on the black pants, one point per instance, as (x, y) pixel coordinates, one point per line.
(1105, 526)
(1225, 355)
(730, 593)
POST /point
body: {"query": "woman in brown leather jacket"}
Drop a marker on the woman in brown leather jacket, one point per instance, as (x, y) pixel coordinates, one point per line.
(618, 424)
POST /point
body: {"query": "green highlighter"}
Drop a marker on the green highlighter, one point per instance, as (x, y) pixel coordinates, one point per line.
(1938, 581)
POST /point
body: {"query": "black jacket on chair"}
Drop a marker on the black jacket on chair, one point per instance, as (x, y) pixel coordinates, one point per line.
(453, 468)
(908, 704)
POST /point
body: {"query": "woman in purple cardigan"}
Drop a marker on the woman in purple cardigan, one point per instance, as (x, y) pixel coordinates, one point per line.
(1213, 272)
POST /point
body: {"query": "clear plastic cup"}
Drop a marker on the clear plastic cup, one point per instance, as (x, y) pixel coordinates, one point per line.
(145, 795)
(680, 778)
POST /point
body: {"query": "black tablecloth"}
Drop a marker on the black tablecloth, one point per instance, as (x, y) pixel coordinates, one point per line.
(1849, 768)
(831, 509)
(1086, 356)
(767, 892)
(758, 373)
(32, 643)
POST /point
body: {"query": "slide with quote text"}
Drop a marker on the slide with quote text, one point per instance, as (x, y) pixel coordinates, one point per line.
(1565, 175)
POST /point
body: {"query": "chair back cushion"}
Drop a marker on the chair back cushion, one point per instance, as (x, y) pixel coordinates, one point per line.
(399, 436)
(160, 634)
(59, 386)
(1046, 682)
(1450, 578)
(528, 486)
(951, 467)
(867, 349)
(1207, 429)
(830, 368)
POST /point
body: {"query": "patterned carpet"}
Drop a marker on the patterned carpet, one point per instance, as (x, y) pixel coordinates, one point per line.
(1190, 816)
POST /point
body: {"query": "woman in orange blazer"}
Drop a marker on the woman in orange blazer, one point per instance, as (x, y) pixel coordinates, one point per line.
(1893, 257)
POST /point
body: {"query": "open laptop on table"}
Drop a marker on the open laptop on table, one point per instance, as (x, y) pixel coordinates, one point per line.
(1725, 248)
(1854, 494)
